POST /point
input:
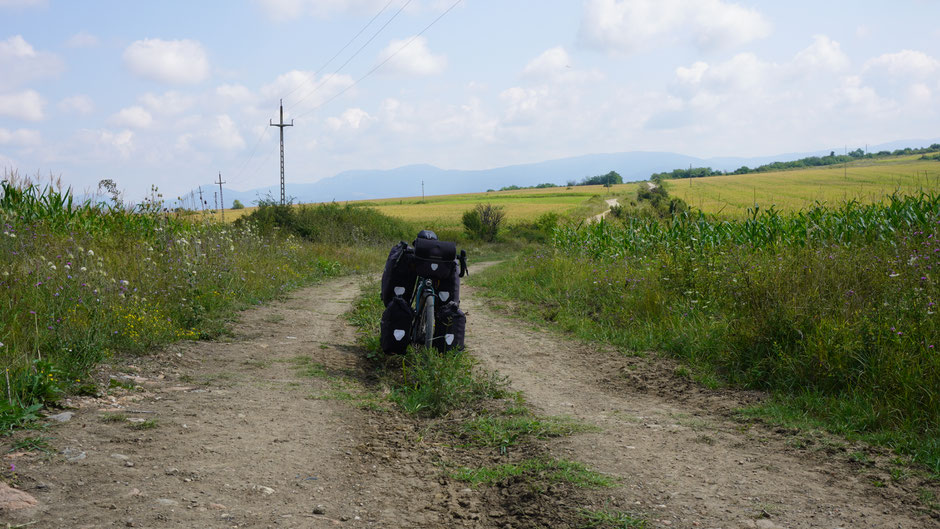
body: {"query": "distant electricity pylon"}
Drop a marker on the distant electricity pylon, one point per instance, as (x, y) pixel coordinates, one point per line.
(281, 126)
(220, 182)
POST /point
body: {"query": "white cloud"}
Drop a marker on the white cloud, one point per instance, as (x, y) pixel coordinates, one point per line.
(168, 61)
(306, 90)
(627, 26)
(82, 39)
(21, 137)
(26, 105)
(134, 117)
(415, 59)
(351, 119)
(224, 135)
(693, 74)
(555, 65)
(234, 93)
(824, 54)
(171, 102)
(904, 63)
(21, 63)
(290, 9)
(219, 133)
(105, 144)
(77, 104)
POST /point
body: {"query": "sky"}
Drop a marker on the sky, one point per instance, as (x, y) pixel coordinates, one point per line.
(173, 93)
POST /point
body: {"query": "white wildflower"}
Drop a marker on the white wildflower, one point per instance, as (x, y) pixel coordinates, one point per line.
(91, 252)
(83, 269)
(125, 282)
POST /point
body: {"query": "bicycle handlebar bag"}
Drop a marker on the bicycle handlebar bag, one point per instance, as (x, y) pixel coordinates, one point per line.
(435, 259)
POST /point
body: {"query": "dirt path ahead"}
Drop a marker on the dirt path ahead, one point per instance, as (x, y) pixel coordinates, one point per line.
(611, 202)
(684, 462)
(273, 428)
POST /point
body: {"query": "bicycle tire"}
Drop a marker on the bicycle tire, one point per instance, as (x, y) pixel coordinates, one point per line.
(427, 321)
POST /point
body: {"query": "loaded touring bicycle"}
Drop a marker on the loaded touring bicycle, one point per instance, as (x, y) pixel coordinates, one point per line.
(421, 294)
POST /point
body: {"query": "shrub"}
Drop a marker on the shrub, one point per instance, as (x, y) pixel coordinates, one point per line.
(237, 204)
(483, 221)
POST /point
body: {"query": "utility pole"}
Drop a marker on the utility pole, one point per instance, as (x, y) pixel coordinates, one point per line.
(220, 182)
(202, 203)
(281, 126)
(216, 197)
(422, 191)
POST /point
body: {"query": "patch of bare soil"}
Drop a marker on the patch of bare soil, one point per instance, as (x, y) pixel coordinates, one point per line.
(283, 424)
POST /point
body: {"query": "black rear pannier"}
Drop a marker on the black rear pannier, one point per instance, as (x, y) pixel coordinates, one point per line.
(399, 276)
(448, 288)
(449, 327)
(435, 259)
(396, 324)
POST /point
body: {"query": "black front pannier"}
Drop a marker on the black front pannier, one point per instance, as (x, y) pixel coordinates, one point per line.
(395, 326)
(435, 259)
(450, 327)
(399, 276)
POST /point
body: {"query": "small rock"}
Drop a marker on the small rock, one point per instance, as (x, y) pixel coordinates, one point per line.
(130, 523)
(13, 500)
(319, 509)
(73, 454)
(65, 416)
(128, 463)
(42, 486)
(120, 457)
(263, 489)
(171, 471)
(217, 506)
(167, 501)
(766, 524)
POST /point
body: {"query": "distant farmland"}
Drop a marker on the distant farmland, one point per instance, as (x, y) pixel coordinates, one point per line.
(865, 181)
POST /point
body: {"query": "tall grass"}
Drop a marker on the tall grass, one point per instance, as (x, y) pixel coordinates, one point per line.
(83, 281)
(833, 308)
(329, 223)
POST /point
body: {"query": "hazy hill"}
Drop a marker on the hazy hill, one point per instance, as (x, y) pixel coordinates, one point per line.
(406, 181)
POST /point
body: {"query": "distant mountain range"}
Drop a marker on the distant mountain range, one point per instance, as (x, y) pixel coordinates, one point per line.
(406, 181)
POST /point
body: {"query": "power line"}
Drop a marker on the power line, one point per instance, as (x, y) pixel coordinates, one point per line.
(390, 57)
(353, 56)
(356, 36)
(264, 131)
(281, 126)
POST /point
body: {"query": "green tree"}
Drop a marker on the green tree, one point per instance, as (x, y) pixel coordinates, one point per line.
(237, 204)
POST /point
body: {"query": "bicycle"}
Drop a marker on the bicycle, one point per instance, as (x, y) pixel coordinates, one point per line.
(420, 290)
(422, 332)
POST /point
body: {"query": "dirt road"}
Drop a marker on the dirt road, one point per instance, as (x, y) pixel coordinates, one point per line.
(277, 426)
(611, 202)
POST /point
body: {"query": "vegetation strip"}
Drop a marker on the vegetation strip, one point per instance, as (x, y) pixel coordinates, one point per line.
(84, 281)
(832, 309)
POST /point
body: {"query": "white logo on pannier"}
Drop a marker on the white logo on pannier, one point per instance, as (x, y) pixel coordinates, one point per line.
(444, 296)
(399, 334)
(433, 266)
(399, 291)
(449, 338)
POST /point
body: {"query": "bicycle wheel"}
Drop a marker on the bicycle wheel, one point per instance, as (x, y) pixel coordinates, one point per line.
(427, 320)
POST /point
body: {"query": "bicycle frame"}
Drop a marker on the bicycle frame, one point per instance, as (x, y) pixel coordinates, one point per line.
(424, 290)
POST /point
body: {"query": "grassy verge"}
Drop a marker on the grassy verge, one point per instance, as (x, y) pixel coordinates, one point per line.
(83, 282)
(833, 311)
(539, 470)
